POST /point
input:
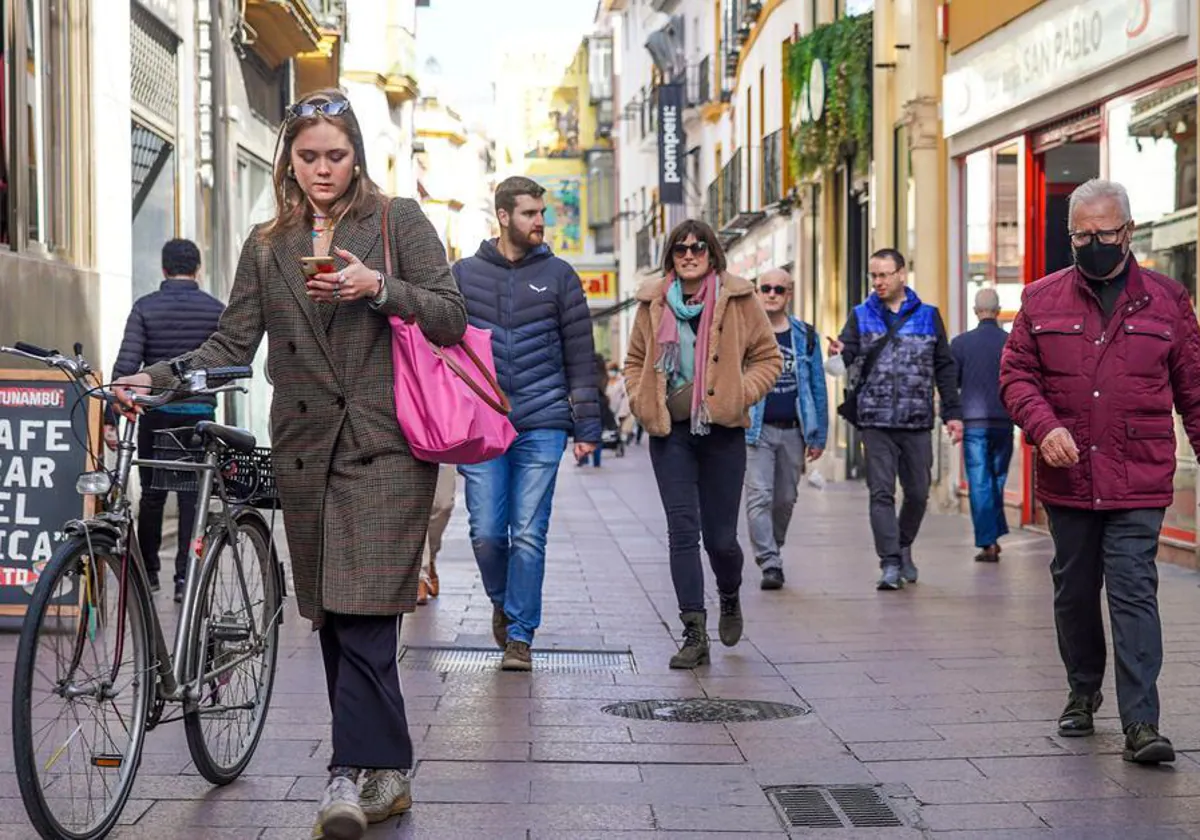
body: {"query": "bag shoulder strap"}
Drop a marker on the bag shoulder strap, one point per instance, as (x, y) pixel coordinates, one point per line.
(387, 239)
(877, 349)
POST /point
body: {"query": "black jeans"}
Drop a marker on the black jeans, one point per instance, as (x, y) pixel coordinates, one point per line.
(370, 728)
(150, 510)
(1115, 549)
(909, 455)
(700, 482)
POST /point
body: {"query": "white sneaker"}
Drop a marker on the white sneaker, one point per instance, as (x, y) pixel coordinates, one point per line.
(385, 794)
(341, 816)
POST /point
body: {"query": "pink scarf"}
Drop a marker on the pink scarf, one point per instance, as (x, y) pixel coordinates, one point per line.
(670, 353)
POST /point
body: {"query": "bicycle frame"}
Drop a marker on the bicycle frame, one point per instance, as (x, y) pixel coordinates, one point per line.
(177, 677)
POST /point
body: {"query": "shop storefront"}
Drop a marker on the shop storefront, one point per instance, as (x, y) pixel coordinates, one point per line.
(1067, 92)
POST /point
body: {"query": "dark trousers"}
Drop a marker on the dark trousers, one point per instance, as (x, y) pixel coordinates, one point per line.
(909, 455)
(150, 510)
(1115, 549)
(987, 451)
(700, 482)
(370, 729)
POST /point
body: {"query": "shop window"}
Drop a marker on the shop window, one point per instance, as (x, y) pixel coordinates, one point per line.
(1152, 152)
(978, 270)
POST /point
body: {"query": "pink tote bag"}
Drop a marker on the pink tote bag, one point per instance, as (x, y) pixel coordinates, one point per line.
(446, 415)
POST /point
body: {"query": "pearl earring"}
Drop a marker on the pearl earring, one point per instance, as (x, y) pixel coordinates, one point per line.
(291, 173)
(357, 170)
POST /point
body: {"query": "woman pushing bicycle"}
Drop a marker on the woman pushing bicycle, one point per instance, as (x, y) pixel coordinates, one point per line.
(356, 501)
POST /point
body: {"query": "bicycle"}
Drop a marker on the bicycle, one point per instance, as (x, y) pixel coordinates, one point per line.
(92, 604)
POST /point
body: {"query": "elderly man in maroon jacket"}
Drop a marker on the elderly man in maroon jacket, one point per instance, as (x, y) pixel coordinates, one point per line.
(1096, 358)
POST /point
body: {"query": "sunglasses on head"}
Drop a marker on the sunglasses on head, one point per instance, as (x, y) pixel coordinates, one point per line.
(697, 248)
(767, 289)
(332, 108)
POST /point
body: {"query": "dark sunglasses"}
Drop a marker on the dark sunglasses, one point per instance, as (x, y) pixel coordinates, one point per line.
(697, 248)
(779, 290)
(332, 108)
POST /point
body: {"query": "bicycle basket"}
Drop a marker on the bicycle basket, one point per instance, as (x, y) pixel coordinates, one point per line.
(248, 476)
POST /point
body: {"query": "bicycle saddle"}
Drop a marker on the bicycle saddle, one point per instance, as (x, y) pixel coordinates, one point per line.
(238, 440)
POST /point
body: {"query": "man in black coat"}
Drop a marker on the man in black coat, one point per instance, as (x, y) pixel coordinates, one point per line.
(175, 320)
(988, 430)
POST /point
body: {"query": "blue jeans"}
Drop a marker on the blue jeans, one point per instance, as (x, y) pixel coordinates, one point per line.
(987, 451)
(508, 508)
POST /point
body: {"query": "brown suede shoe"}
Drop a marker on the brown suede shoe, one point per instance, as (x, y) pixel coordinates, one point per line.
(517, 657)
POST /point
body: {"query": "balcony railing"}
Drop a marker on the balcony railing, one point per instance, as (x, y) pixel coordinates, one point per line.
(772, 168)
(731, 188)
(712, 204)
(644, 259)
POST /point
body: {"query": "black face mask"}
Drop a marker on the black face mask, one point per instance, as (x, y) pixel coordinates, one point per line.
(1097, 260)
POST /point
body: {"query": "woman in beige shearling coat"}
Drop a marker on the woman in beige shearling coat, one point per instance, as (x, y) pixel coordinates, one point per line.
(700, 354)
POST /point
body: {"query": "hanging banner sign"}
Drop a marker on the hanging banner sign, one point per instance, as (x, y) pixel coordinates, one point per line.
(671, 143)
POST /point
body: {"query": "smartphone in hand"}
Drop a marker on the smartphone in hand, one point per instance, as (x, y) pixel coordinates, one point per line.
(312, 266)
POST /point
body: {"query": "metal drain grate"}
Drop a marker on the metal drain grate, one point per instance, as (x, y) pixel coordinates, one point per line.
(704, 710)
(459, 660)
(834, 807)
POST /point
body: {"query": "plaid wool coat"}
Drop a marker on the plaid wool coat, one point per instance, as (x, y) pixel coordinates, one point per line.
(356, 502)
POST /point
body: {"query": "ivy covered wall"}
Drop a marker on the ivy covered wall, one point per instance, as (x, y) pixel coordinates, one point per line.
(844, 129)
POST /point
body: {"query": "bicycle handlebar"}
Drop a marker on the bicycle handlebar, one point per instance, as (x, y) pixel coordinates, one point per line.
(198, 382)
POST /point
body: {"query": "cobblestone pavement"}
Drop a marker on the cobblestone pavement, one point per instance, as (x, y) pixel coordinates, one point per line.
(942, 695)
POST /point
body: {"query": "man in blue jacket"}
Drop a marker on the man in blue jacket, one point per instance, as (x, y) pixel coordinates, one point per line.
(988, 432)
(534, 305)
(895, 405)
(176, 319)
(787, 426)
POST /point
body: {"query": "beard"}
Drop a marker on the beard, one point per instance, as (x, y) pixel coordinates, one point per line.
(526, 241)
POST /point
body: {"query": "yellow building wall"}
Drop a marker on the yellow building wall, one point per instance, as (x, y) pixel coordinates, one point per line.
(971, 20)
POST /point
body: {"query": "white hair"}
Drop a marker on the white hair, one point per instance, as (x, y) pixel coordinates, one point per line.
(987, 299)
(1098, 189)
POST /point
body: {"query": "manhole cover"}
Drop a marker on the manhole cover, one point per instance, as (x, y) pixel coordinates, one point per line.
(445, 660)
(834, 807)
(704, 710)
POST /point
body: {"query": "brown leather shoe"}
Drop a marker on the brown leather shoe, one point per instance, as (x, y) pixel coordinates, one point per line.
(991, 554)
(517, 657)
(499, 627)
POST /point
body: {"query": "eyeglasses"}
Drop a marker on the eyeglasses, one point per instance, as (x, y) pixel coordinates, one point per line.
(881, 275)
(697, 248)
(1083, 238)
(777, 290)
(331, 108)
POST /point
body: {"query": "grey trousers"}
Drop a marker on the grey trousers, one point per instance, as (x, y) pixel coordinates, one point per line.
(1115, 549)
(893, 453)
(773, 468)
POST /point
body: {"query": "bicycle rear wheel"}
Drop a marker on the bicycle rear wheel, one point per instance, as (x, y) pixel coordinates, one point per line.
(236, 645)
(82, 689)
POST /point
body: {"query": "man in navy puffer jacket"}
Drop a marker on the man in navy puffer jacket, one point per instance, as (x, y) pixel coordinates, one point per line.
(534, 305)
(175, 320)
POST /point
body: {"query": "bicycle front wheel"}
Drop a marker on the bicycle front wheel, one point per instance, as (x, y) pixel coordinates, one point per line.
(236, 642)
(82, 690)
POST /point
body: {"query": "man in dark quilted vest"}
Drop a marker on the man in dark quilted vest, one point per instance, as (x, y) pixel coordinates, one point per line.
(895, 405)
(533, 303)
(175, 320)
(1097, 358)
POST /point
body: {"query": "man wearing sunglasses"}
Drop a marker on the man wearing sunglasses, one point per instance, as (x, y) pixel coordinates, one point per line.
(787, 427)
(1098, 357)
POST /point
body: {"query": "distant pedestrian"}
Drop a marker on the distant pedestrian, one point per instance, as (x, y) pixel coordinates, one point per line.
(439, 517)
(987, 428)
(170, 322)
(700, 354)
(896, 352)
(533, 303)
(787, 428)
(608, 419)
(1099, 355)
(618, 403)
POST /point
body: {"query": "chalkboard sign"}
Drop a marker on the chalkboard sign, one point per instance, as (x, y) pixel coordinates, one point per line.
(40, 458)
